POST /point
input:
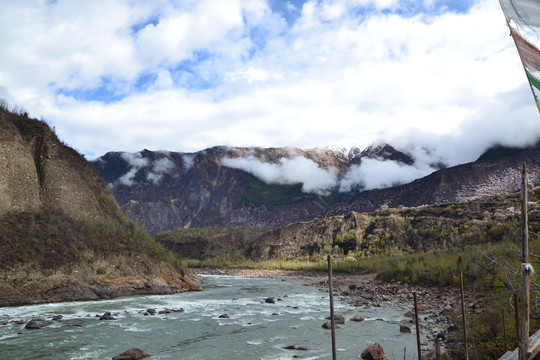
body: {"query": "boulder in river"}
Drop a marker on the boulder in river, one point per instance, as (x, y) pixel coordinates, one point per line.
(357, 318)
(406, 328)
(131, 354)
(35, 324)
(296, 347)
(338, 319)
(328, 325)
(107, 316)
(224, 316)
(373, 352)
(270, 300)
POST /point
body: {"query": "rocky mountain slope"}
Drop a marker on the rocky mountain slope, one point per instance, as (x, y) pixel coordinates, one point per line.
(62, 234)
(205, 243)
(392, 231)
(224, 186)
(163, 191)
(496, 172)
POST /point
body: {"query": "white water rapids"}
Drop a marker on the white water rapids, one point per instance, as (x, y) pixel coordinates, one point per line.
(254, 330)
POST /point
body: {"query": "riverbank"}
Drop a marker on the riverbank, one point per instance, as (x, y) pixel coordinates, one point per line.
(439, 307)
(105, 278)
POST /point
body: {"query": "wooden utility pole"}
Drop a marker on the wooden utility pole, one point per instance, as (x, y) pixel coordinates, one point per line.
(332, 320)
(504, 329)
(526, 267)
(417, 323)
(464, 322)
(516, 315)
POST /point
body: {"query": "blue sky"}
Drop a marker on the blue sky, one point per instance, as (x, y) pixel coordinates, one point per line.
(191, 71)
(439, 78)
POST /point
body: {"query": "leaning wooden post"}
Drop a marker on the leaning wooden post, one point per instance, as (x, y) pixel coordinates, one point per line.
(463, 316)
(504, 331)
(526, 267)
(417, 322)
(332, 320)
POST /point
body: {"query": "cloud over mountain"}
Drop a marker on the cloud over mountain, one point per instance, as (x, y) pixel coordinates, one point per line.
(288, 171)
(135, 162)
(371, 173)
(189, 75)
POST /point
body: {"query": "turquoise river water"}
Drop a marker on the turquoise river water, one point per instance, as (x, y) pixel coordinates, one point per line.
(254, 330)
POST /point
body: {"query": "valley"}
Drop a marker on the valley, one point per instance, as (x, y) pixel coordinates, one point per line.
(132, 223)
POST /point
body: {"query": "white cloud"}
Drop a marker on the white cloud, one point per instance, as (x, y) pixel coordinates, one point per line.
(296, 170)
(370, 174)
(135, 162)
(238, 73)
(375, 174)
(160, 167)
(66, 44)
(189, 160)
(182, 31)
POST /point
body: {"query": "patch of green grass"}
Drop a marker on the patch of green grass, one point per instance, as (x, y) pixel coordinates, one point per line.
(273, 195)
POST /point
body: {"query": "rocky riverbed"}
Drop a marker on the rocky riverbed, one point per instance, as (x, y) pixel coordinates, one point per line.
(439, 307)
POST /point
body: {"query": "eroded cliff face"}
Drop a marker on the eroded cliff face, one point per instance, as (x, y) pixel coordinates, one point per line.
(63, 236)
(38, 170)
(19, 184)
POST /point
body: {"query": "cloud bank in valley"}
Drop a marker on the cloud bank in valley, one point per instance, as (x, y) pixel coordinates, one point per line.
(160, 167)
(370, 174)
(288, 171)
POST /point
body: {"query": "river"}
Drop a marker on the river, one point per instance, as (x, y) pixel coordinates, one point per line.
(255, 329)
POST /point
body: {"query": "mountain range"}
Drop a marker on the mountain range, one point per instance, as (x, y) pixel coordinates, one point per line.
(271, 187)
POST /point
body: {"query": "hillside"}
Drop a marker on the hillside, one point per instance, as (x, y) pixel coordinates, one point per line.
(62, 234)
(394, 231)
(205, 243)
(387, 231)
